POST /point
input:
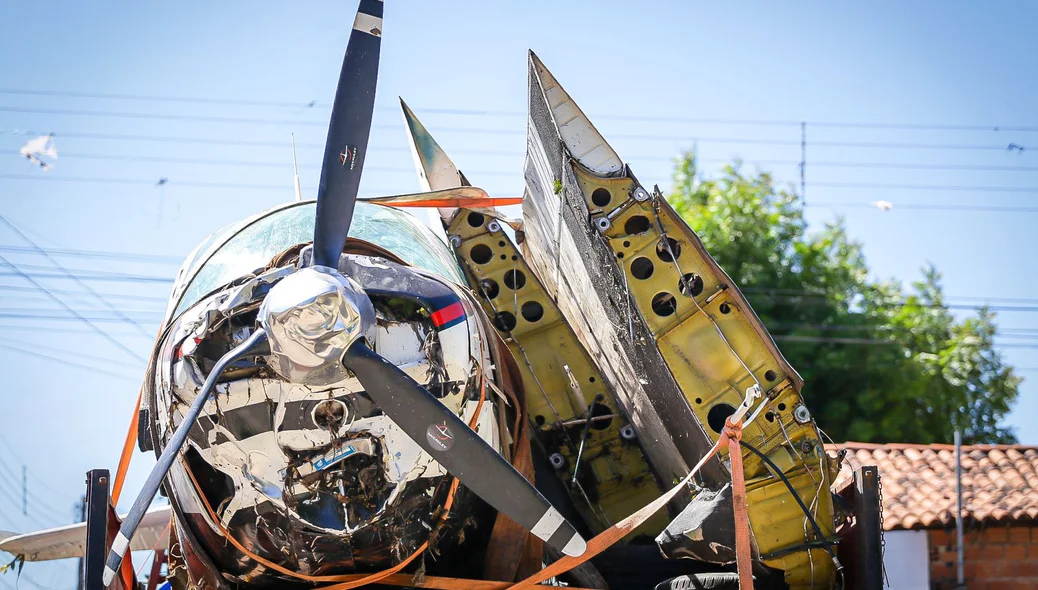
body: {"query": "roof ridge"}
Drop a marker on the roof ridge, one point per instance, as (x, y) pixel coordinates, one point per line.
(921, 446)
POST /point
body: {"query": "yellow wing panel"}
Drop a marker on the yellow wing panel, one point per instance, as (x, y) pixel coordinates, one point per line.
(716, 349)
(615, 477)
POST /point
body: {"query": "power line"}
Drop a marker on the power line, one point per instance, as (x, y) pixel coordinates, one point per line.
(172, 117)
(927, 207)
(94, 254)
(688, 137)
(14, 500)
(36, 313)
(50, 329)
(865, 341)
(62, 303)
(77, 354)
(14, 454)
(929, 187)
(85, 286)
(90, 274)
(901, 165)
(254, 163)
(93, 276)
(477, 173)
(802, 292)
(115, 296)
(242, 186)
(486, 112)
(53, 513)
(64, 362)
(143, 182)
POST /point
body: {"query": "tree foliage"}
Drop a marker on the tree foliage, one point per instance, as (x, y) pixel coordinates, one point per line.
(881, 362)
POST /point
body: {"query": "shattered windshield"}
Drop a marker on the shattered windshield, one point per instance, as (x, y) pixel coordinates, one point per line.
(255, 244)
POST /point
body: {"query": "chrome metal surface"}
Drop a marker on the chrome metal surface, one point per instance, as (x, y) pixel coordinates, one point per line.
(312, 317)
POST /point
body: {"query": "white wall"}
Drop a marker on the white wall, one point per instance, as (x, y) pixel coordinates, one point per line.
(906, 559)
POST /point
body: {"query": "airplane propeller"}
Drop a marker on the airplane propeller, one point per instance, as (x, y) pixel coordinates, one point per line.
(314, 322)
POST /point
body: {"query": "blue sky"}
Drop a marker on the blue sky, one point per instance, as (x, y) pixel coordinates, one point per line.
(945, 63)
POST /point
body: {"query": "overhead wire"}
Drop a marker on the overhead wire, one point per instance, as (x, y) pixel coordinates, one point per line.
(114, 296)
(925, 207)
(14, 500)
(63, 361)
(62, 303)
(688, 137)
(65, 271)
(93, 254)
(13, 453)
(251, 163)
(78, 354)
(1033, 190)
(59, 516)
(304, 104)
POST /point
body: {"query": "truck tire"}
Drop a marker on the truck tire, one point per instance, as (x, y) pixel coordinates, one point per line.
(715, 581)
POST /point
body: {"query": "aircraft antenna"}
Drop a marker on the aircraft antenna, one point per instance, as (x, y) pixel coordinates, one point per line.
(295, 170)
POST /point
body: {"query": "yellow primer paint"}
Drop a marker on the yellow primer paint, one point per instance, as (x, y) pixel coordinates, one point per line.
(542, 343)
(712, 376)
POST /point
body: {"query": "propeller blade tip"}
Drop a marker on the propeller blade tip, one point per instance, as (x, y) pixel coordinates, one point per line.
(576, 546)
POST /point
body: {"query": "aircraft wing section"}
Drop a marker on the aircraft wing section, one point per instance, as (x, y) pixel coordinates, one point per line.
(70, 541)
(674, 336)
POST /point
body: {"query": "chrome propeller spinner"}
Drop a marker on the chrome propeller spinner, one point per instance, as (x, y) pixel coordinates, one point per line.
(312, 317)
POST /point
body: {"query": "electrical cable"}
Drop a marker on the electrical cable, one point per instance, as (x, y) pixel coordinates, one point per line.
(79, 282)
(796, 496)
(928, 207)
(13, 453)
(484, 112)
(118, 296)
(28, 516)
(929, 187)
(62, 303)
(478, 173)
(246, 186)
(688, 137)
(65, 362)
(94, 254)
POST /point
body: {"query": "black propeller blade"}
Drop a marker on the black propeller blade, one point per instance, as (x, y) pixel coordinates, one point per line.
(428, 422)
(255, 344)
(460, 450)
(348, 133)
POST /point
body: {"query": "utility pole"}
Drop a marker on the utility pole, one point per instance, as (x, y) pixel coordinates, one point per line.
(960, 561)
(25, 491)
(803, 162)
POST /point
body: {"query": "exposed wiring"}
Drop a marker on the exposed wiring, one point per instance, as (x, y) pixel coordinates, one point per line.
(796, 496)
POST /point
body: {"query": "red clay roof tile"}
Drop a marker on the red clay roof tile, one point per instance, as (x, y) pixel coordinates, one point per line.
(999, 482)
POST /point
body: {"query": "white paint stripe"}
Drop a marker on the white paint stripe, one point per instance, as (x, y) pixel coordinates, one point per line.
(548, 524)
(366, 23)
(576, 546)
(120, 544)
(108, 577)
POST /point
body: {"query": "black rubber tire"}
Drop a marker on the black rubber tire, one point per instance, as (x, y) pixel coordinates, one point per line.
(714, 581)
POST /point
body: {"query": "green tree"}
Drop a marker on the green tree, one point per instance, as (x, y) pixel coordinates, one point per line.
(881, 362)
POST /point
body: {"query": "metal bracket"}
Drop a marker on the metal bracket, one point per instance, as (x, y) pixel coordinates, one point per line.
(867, 512)
(97, 528)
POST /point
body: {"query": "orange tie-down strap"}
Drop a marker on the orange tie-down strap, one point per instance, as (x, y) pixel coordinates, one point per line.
(729, 439)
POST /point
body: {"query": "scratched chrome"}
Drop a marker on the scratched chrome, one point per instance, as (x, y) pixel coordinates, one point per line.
(311, 318)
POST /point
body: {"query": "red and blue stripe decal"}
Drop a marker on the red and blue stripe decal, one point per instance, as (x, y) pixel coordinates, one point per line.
(449, 316)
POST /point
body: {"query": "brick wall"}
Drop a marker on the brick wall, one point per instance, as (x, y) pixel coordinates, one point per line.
(997, 557)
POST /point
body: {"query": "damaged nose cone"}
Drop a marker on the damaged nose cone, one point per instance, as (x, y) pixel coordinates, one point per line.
(311, 317)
